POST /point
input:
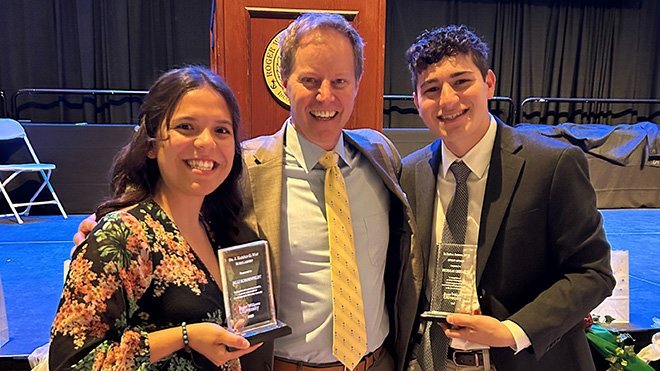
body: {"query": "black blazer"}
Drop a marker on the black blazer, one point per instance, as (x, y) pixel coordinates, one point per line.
(542, 261)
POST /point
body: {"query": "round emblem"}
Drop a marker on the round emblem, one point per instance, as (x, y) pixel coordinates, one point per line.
(271, 70)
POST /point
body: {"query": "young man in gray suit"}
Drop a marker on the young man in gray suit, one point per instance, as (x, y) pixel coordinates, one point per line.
(542, 262)
(321, 66)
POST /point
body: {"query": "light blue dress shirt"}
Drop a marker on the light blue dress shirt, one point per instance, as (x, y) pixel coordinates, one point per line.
(306, 296)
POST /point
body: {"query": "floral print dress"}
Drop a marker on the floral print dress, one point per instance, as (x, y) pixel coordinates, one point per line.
(133, 275)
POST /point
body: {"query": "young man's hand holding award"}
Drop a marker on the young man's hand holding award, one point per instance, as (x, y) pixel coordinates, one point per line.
(453, 286)
(248, 292)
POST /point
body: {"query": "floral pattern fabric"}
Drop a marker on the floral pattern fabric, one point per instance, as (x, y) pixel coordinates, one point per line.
(133, 275)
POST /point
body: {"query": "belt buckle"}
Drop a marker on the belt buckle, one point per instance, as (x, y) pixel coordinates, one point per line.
(460, 352)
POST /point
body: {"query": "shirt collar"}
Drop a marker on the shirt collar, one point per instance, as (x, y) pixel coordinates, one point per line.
(306, 153)
(477, 158)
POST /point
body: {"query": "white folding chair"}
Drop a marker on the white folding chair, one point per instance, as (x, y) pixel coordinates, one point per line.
(12, 129)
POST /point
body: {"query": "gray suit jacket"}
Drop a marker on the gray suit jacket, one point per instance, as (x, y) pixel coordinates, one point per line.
(542, 259)
(262, 193)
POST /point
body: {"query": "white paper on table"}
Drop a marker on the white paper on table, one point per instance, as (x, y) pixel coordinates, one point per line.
(617, 305)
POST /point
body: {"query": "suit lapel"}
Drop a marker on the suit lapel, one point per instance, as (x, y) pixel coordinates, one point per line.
(379, 159)
(503, 175)
(426, 176)
(266, 174)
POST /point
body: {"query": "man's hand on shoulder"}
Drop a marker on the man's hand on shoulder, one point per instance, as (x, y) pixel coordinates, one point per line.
(84, 228)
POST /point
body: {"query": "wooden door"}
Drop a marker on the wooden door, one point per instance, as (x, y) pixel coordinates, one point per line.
(242, 32)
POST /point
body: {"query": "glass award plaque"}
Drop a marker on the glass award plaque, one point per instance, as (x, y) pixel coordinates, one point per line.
(248, 292)
(455, 273)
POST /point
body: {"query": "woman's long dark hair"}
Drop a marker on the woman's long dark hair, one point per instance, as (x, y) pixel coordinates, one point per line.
(135, 176)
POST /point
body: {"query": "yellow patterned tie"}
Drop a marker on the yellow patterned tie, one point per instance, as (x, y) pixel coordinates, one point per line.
(349, 342)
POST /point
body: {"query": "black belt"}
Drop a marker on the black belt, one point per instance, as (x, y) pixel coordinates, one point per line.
(474, 358)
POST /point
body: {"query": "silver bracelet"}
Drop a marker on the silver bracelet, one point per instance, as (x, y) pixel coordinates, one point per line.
(186, 341)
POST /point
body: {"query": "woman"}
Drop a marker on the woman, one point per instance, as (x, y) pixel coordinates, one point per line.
(143, 289)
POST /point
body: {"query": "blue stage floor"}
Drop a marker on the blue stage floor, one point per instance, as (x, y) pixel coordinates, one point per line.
(32, 256)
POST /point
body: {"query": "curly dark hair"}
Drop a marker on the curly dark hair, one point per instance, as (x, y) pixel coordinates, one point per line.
(433, 46)
(135, 176)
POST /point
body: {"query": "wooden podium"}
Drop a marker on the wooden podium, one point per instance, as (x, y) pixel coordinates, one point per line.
(241, 39)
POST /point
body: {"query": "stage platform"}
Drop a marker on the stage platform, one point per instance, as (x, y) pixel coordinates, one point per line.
(32, 257)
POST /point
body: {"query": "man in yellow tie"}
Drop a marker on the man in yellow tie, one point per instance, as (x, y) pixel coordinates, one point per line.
(346, 278)
(328, 202)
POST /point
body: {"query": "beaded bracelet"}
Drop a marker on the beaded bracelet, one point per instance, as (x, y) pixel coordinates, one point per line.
(186, 341)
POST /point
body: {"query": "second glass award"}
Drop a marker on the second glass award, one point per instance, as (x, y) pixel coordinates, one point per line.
(454, 282)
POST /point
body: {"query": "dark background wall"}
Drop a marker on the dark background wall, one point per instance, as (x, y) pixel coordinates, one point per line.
(99, 44)
(576, 48)
(552, 48)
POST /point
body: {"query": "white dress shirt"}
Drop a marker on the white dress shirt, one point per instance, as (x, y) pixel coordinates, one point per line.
(305, 293)
(478, 160)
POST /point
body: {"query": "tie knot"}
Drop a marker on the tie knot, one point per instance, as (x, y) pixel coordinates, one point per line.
(460, 170)
(329, 159)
